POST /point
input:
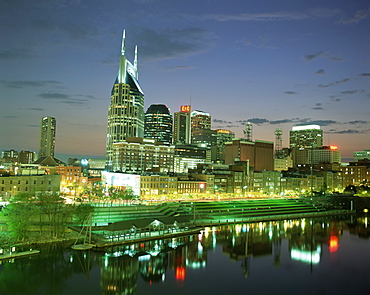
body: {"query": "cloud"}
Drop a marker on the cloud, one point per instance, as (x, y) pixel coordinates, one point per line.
(35, 109)
(51, 95)
(358, 122)
(359, 15)
(179, 68)
(75, 31)
(244, 41)
(221, 121)
(311, 57)
(290, 92)
(173, 43)
(318, 107)
(25, 84)
(282, 121)
(320, 72)
(9, 117)
(65, 98)
(348, 131)
(14, 54)
(257, 121)
(334, 83)
(364, 75)
(323, 122)
(352, 91)
(268, 16)
(261, 43)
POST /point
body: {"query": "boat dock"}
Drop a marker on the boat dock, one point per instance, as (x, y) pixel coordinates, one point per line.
(12, 255)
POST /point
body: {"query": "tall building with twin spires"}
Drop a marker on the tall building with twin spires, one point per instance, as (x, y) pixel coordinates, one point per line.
(126, 110)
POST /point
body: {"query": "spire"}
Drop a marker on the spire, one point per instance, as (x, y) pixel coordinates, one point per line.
(122, 63)
(135, 63)
(123, 49)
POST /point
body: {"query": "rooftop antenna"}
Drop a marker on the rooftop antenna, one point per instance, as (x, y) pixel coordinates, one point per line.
(278, 143)
(248, 131)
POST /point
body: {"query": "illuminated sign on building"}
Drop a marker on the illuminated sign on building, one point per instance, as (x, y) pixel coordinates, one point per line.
(333, 147)
(185, 109)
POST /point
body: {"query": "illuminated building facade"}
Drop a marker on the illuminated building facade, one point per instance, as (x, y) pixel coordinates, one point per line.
(158, 124)
(356, 173)
(324, 154)
(13, 185)
(181, 126)
(218, 151)
(47, 136)
(189, 156)
(158, 185)
(139, 155)
(199, 120)
(308, 136)
(365, 154)
(126, 110)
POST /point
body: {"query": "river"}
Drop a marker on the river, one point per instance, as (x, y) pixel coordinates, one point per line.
(328, 255)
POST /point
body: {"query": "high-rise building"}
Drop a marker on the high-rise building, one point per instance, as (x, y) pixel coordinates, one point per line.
(47, 137)
(308, 136)
(158, 124)
(200, 120)
(140, 155)
(126, 110)
(201, 129)
(218, 150)
(181, 126)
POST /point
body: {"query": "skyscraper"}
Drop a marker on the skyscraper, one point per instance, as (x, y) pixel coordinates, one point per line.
(307, 136)
(126, 110)
(218, 150)
(158, 123)
(47, 137)
(201, 128)
(181, 126)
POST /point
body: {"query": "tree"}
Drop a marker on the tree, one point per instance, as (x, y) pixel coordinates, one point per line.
(82, 212)
(19, 213)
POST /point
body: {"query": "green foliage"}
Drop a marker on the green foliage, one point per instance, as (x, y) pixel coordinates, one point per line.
(82, 212)
(37, 216)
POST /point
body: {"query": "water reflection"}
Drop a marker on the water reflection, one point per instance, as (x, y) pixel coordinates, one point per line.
(125, 269)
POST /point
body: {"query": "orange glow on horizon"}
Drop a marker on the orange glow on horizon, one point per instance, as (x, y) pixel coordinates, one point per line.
(333, 147)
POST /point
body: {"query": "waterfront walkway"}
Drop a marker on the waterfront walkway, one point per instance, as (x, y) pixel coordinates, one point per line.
(182, 218)
(12, 255)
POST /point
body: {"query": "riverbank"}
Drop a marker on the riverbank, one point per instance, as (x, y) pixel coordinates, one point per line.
(12, 255)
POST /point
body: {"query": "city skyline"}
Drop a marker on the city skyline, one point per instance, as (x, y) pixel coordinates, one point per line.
(275, 65)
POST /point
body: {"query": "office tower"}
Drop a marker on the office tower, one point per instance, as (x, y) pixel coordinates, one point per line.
(181, 126)
(158, 124)
(308, 136)
(218, 150)
(201, 133)
(47, 137)
(126, 110)
(200, 120)
(139, 155)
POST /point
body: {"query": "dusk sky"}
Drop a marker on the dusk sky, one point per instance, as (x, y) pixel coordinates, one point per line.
(274, 63)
